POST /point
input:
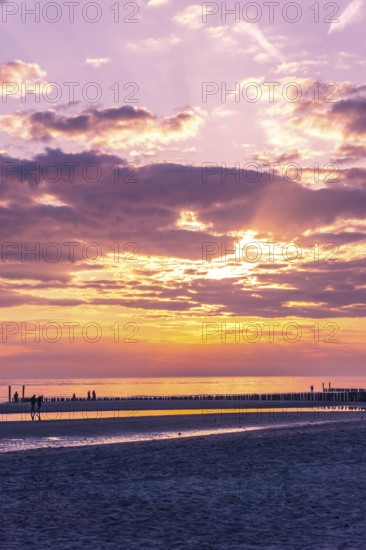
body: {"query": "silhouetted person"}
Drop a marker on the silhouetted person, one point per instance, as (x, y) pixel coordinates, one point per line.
(33, 401)
(39, 402)
(73, 397)
(94, 395)
(16, 397)
(89, 396)
(311, 389)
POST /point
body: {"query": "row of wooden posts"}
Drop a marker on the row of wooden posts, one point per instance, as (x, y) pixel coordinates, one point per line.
(332, 395)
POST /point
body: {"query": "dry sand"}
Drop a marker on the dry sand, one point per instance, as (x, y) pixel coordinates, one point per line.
(286, 489)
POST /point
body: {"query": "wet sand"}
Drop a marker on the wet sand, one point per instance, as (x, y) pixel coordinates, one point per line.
(92, 427)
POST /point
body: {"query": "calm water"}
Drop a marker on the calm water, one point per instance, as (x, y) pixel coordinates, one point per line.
(125, 387)
(49, 414)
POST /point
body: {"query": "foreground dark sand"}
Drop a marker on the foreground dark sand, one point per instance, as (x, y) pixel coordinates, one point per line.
(296, 488)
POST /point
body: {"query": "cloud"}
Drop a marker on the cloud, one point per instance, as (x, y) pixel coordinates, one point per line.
(342, 122)
(17, 76)
(154, 3)
(279, 156)
(351, 113)
(263, 42)
(154, 44)
(349, 153)
(229, 38)
(111, 128)
(97, 61)
(298, 67)
(222, 112)
(332, 113)
(351, 15)
(170, 212)
(18, 70)
(190, 17)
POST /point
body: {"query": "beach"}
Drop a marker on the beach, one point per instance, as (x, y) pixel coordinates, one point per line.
(101, 422)
(297, 487)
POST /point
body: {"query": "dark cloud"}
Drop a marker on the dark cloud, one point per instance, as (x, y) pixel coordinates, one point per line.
(96, 125)
(51, 120)
(353, 113)
(348, 152)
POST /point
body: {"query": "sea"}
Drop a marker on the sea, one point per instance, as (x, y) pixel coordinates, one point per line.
(133, 387)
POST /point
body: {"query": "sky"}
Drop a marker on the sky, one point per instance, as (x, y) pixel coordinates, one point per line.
(182, 189)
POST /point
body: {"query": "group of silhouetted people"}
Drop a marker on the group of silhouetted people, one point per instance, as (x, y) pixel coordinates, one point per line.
(33, 401)
(93, 396)
(36, 401)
